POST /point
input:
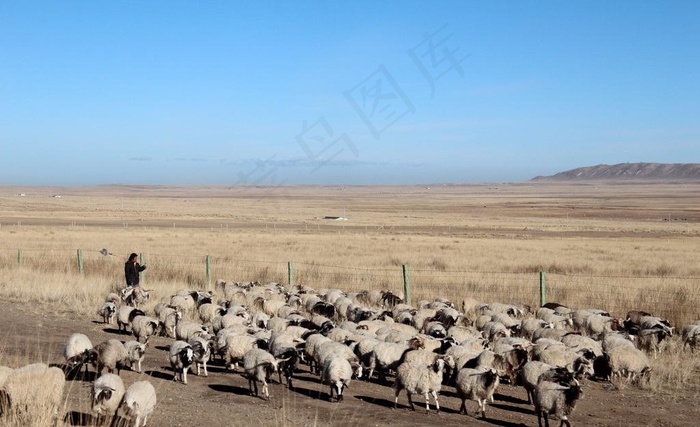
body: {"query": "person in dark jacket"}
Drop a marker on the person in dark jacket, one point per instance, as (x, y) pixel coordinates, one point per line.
(132, 268)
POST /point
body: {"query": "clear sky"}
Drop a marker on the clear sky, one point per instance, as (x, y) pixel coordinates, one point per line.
(353, 92)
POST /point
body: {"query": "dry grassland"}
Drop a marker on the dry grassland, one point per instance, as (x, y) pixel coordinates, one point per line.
(612, 246)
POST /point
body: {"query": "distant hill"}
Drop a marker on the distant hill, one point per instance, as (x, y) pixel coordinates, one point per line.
(629, 171)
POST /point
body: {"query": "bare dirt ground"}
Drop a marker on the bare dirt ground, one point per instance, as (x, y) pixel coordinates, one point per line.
(33, 333)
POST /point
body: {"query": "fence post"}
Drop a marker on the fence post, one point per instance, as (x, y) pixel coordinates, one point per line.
(142, 275)
(208, 266)
(290, 273)
(19, 257)
(406, 284)
(80, 261)
(543, 289)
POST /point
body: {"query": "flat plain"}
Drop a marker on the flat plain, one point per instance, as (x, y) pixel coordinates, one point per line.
(613, 245)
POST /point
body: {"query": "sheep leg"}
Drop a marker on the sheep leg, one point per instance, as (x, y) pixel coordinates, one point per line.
(564, 420)
(463, 407)
(427, 402)
(396, 397)
(330, 395)
(340, 387)
(410, 401)
(435, 398)
(482, 406)
(265, 390)
(184, 375)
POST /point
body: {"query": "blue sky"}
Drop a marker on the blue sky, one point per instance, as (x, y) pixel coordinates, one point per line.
(342, 92)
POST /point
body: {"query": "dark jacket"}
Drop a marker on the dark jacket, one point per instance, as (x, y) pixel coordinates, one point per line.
(131, 271)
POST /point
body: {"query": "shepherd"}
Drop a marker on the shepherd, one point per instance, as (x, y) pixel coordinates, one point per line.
(132, 268)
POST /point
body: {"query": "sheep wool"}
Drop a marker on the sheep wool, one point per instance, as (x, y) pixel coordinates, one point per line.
(181, 358)
(258, 365)
(557, 399)
(107, 394)
(139, 402)
(77, 351)
(422, 379)
(476, 384)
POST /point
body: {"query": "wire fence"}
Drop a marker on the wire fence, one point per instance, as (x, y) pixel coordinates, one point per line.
(675, 298)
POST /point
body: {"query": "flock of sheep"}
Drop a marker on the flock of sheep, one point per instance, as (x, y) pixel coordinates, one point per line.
(273, 329)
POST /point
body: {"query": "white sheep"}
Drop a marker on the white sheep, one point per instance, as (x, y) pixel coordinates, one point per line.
(531, 374)
(135, 354)
(168, 320)
(476, 384)
(114, 298)
(136, 296)
(181, 358)
(258, 365)
(77, 352)
(596, 325)
(188, 329)
(332, 349)
(202, 353)
(108, 311)
(109, 354)
(615, 339)
(235, 347)
(579, 342)
(107, 394)
(139, 402)
(388, 356)
(627, 361)
(184, 304)
(337, 372)
(208, 311)
(125, 315)
(418, 378)
(554, 398)
(144, 327)
(690, 335)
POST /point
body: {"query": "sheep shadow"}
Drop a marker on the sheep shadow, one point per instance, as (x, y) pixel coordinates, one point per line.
(496, 422)
(159, 375)
(307, 378)
(162, 347)
(376, 401)
(75, 418)
(76, 373)
(528, 411)
(114, 331)
(509, 399)
(403, 404)
(311, 393)
(227, 388)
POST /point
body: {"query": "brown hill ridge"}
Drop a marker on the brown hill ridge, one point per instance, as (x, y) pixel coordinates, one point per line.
(629, 171)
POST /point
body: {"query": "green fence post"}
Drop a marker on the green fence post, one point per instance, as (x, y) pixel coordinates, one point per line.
(142, 275)
(80, 261)
(543, 289)
(406, 284)
(290, 273)
(19, 257)
(208, 266)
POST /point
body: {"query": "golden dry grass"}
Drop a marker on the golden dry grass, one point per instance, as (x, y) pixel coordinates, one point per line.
(616, 247)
